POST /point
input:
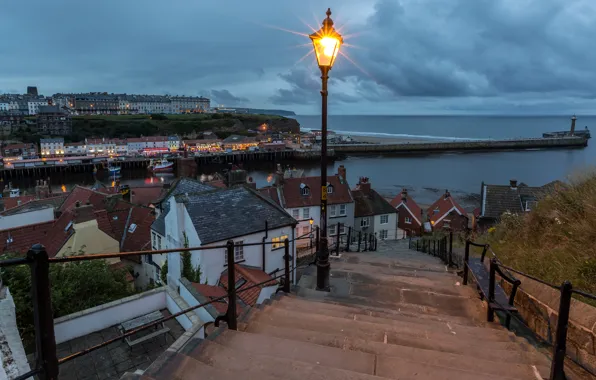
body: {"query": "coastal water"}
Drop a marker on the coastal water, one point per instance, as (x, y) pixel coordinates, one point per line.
(424, 175)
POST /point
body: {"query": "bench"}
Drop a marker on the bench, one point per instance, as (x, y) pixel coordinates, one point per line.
(486, 284)
(135, 323)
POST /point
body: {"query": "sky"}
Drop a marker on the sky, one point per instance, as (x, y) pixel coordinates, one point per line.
(400, 56)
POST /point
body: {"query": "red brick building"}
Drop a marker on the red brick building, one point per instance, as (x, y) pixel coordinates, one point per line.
(447, 213)
(410, 216)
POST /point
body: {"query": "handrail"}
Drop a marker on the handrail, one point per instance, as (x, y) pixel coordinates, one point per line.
(529, 276)
(584, 294)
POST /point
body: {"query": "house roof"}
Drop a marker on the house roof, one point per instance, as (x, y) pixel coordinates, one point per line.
(498, 199)
(248, 277)
(146, 195)
(236, 139)
(9, 203)
(32, 204)
(223, 214)
(292, 197)
(369, 203)
(445, 204)
(271, 192)
(409, 205)
(21, 239)
(204, 293)
(83, 195)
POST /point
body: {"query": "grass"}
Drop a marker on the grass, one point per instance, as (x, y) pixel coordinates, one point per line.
(557, 240)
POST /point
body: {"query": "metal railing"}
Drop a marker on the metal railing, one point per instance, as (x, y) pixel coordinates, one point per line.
(559, 347)
(438, 246)
(47, 362)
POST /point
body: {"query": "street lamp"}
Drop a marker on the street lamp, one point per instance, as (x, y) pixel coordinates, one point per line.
(326, 42)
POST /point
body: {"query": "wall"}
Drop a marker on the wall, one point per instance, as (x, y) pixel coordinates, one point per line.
(13, 361)
(100, 317)
(390, 226)
(411, 228)
(347, 220)
(191, 300)
(89, 239)
(25, 218)
(176, 304)
(266, 293)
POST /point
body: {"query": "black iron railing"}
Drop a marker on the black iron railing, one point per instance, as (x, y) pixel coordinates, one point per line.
(439, 246)
(566, 291)
(47, 362)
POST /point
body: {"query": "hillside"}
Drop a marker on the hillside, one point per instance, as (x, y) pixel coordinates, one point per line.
(557, 240)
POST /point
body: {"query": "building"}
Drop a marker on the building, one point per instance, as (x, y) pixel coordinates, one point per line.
(301, 198)
(446, 213)
(173, 143)
(410, 216)
(138, 145)
(100, 146)
(236, 142)
(51, 147)
(373, 214)
(75, 149)
(204, 146)
(20, 151)
(211, 218)
(495, 200)
(95, 103)
(189, 104)
(51, 120)
(34, 105)
(10, 121)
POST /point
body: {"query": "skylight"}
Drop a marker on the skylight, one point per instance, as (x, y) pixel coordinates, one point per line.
(132, 228)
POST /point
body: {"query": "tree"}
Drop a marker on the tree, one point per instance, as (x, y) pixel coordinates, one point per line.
(163, 274)
(192, 274)
(75, 286)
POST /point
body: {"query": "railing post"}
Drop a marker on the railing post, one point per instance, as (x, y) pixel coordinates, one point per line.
(231, 313)
(557, 369)
(466, 257)
(287, 267)
(359, 239)
(417, 245)
(349, 239)
(490, 316)
(365, 242)
(317, 237)
(43, 316)
(338, 240)
(450, 262)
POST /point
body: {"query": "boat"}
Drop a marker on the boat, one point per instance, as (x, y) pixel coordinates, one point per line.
(585, 133)
(161, 166)
(114, 169)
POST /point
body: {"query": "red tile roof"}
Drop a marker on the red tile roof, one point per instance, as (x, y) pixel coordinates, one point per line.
(409, 205)
(271, 192)
(251, 277)
(84, 195)
(140, 239)
(121, 265)
(14, 202)
(147, 195)
(58, 234)
(213, 292)
(292, 197)
(444, 205)
(21, 239)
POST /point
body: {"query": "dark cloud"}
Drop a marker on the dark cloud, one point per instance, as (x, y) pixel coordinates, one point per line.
(226, 98)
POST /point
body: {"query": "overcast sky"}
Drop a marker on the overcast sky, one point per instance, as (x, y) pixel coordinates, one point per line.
(410, 56)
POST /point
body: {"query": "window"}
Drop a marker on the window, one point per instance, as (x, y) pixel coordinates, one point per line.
(304, 190)
(384, 234)
(364, 222)
(239, 251)
(153, 240)
(408, 220)
(333, 230)
(278, 242)
(384, 219)
(436, 211)
(296, 213)
(342, 230)
(332, 211)
(330, 189)
(530, 205)
(343, 209)
(305, 213)
(305, 231)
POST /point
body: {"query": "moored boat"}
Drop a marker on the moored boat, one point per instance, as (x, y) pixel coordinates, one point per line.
(161, 166)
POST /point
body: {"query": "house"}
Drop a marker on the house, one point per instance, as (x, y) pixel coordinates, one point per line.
(195, 293)
(52, 120)
(20, 239)
(52, 147)
(447, 213)
(495, 200)
(301, 198)
(410, 215)
(20, 151)
(29, 211)
(373, 214)
(75, 149)
(212, 218)
(235, 142)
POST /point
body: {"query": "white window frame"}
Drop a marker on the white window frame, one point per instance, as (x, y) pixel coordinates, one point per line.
(386, 216)
(332, 211)
(306, 213)
(332, 230)
(436, 211)
(343, 210)
(296, 213)
(238, 250)
(342, 229)
(407, 220)
(364, 222)
(305, 191)
(385, 233)
(330, 189)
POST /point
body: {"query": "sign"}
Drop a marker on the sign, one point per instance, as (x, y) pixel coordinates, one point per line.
(323, 193)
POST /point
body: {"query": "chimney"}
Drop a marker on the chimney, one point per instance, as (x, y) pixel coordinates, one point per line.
(341, 171)
(573, 119)
(279, 177)
(447, 194)
(364, 185)
(513, 184)
(404, 195)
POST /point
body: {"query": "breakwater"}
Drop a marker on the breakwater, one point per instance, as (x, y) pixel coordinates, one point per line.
(462, 146)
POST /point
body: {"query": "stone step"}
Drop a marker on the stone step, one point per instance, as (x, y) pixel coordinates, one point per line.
(410, 322)
(376, 330)
(383, 366)
(404, 267)
(495, 362)
(330, 357)
(219, 356)
(411, 312)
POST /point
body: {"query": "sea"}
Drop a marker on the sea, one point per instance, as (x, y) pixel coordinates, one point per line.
(426, 176)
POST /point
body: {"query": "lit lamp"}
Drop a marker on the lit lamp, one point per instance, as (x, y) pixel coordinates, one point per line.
(326, 42)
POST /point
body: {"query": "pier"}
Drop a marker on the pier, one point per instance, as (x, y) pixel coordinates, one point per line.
(463, 146)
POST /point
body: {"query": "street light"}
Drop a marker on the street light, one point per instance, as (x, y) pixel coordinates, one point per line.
(326, 43)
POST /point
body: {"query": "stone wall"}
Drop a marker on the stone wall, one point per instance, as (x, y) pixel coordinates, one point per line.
(538, 305)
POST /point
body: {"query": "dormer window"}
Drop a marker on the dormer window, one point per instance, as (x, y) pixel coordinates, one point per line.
(436, 211)
(304, 190)
(329, 189)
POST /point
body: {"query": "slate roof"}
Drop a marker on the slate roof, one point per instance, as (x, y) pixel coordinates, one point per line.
(292, 197)
(498, 199)
(224, 214)
(247, 277)
(236, 139)
(409, 205)
(147, 195)
(369, 203)
(444, 204)
(21, 239)
(34, 204)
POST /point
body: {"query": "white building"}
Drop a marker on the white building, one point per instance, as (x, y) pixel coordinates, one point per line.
(174, 143)
(186, 104)
(34, 104)
(100, 147)
(138, 144)
(373, 214)
(197, 215)
(51, 147)
(75, 149)
(4, 105)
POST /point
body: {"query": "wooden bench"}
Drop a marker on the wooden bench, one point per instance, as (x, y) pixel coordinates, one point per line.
(135, 323)
(486, 284)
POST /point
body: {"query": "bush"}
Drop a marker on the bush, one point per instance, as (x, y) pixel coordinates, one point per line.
(158, 116)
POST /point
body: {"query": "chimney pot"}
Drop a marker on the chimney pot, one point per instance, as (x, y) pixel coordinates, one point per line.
(447, 194)
(513, 183)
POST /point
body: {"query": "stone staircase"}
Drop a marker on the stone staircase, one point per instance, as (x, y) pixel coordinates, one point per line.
(394, 314)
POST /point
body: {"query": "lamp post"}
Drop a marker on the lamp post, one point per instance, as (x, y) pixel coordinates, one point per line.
(311, 221)
(326, 42)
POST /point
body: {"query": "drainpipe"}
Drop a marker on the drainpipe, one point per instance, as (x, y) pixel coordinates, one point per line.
(264, 245)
